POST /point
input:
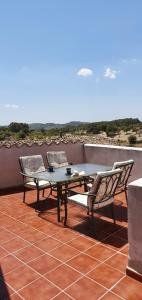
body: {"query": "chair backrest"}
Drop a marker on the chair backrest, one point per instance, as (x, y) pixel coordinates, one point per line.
(57, 159)
(104, 187)
(126, 167)
(31, 164)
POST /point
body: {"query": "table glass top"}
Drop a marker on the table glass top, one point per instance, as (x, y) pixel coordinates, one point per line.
(60, 174)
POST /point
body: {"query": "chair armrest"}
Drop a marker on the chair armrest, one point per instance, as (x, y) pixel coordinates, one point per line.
(26, 175)
(30, 176)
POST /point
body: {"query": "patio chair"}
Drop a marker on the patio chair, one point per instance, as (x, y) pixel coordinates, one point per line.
(29, 165)
(57, 159)
(101, 194)
(126, 167)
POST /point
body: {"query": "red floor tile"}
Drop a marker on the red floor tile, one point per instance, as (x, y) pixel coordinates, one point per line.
(62, 296)
(3, 252)
(111, 296)
(20, 277)
(9, 263)
(85, 289)
(114, 242)
(83, 263)
(44, 264)
(15, 244)
(125, 250)
(64, 252)
(81, 243)
(105, 275)
(128, 288)
(5, 236)
(118, 261)
(100, 252)
(15, 297)
(48, 244)
(63, 276)
(32, 235)
(41, 289)
(18, 227)
(6, 221)
(49, 229)
(29, 253)
(65, 235)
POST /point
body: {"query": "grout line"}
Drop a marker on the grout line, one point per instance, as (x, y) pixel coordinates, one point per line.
(69, 296)
(119, 297)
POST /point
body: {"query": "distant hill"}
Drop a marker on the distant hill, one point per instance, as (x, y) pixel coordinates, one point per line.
(48, 126)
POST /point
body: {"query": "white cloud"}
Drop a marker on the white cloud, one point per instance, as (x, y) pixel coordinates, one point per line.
(110, 73)
(85, 72)
(11, 106)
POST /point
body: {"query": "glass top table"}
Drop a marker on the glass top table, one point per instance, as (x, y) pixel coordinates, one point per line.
(60, 177)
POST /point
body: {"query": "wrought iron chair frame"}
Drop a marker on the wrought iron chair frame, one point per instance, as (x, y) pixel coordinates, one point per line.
(126, 167)
(34, 187)
(111, 181)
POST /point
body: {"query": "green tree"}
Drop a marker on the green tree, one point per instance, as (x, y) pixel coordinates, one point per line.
(17, 127)
(132, 139)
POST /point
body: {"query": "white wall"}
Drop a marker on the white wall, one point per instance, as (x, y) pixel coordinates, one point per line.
(107, 155)
(9, 163)
(76, 153)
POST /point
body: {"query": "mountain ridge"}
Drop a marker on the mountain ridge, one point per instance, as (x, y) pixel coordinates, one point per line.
(48, 126)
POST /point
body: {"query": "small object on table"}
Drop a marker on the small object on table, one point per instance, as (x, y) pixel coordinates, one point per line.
(50, 169)
(68, 171)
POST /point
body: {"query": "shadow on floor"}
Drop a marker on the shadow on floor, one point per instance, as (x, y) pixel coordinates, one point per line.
(44, 204)
(4, 294)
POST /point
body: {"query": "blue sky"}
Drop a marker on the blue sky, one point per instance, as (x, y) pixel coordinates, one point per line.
(64, 60)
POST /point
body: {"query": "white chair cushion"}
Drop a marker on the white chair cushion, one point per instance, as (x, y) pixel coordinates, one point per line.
(80, 199)
(83, 200)
(41, 184)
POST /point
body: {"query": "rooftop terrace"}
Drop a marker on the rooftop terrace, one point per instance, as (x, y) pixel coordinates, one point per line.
(41, 259)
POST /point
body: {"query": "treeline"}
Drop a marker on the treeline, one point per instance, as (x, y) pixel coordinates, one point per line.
(21, 130)
(113, 127)
(110, 127)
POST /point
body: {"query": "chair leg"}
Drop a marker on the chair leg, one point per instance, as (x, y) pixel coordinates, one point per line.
(51, 191)
(58, 208)
(37, 195)
(126, 196)
(24, 195)
(92, 217)
(66, 211)
(88, 211)
(43, 193)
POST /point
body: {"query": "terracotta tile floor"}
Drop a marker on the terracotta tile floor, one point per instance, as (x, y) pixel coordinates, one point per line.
(41, 259)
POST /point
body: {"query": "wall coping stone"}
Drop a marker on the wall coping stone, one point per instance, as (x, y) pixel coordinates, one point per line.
(113, 147)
